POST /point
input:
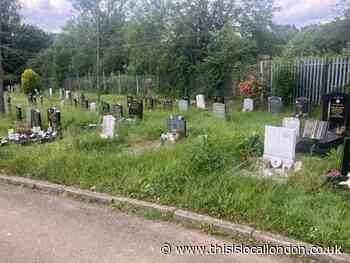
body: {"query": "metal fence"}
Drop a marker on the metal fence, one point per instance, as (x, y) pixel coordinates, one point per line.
(313, 77)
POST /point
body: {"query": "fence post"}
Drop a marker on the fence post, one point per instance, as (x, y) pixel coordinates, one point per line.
(325, 79)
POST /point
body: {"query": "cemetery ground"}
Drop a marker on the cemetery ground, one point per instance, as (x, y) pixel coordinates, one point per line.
(213, 171)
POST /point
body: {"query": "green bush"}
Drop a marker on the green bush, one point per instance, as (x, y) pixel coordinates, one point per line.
(285, 84)
(31, 81)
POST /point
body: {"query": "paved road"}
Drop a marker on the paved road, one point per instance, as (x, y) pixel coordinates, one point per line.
(42, 228)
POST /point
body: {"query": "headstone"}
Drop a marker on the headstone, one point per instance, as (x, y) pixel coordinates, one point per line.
(37, 119)
(248, 105)
(345, 165)
(168, 104)
(275, 104)
(219, 99)
(18, 113)
(50, 92)
(219, 110)
(183, 105)
(117, 111)
(129, 100)
(302, 107)
(105, 108)
(108, 126)
(292, 123)
(279, 146)
(136, 110)
(92, 106)
(54, 119)
(177, 125)
(336, 108)
(30, 117)
(200, 101)
(315, 130)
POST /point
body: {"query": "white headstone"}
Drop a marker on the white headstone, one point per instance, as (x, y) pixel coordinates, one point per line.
(92, 106)
(248, 105)
(108, 126)
(279, 146)
(183, 105)
(67, 94)
(200, 99)
(219, 110)
(50, 92)
(292, 123)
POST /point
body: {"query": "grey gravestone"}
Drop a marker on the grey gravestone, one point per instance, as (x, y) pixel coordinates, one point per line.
(248, 105)
(345, 166)
(168, 104)
(219, 110)
(177, 125)
(275, 104)
(37, 119)
(30, 117)
(136, 110)
(183, 105)
(292, 123)
(302, 107)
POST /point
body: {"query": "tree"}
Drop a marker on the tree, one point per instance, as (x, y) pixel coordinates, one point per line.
(8, 19)
(30, 82)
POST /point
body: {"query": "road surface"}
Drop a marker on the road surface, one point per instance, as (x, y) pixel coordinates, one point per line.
(36, 227)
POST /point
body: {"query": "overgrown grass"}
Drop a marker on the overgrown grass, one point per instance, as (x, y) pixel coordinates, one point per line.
(201, 175)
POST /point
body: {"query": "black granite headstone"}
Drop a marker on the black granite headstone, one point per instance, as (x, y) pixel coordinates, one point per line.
(136, 109)
(345, 166)
(336, 107)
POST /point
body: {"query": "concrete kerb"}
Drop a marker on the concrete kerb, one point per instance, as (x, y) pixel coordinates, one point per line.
(179, 215)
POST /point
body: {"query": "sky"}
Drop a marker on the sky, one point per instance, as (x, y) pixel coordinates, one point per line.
(51, 15)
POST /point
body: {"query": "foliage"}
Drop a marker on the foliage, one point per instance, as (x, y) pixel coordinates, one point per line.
(251, 147)
(30, 81)
(251, 88)
(284, 82)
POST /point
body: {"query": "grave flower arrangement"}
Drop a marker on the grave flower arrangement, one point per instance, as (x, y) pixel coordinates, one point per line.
(333, 177)
(251, 88)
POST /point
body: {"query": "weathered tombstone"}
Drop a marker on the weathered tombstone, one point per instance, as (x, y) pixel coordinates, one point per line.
(105, 108)
(92, 106)
(219, 99)
(279, 146)
(37, 119)
(50, 92)
(54, 119)
(129, 100)
(19, 116)
(30, 117)
(336, 108)
(168, 104)
(117, 111)
(108, 126)
(292, 123)
(219, 110)
(275, 104)
(302, 107)
(345, 165)
(248, 105)
(177, 125)
(200, 101)
(136, 110)
(183, 105)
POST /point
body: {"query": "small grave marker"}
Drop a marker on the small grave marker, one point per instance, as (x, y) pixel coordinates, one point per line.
(183, 105)
(248, 105)
(275, 104)
(219, 110)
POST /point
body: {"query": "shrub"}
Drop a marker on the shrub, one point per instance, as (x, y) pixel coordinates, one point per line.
(31, 81)
(285, 84)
